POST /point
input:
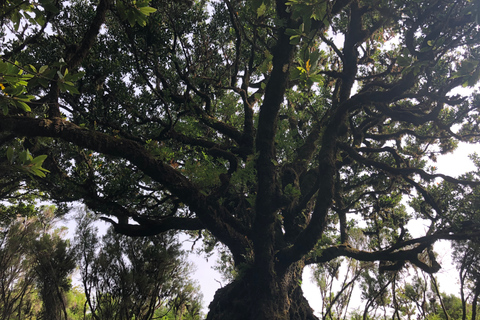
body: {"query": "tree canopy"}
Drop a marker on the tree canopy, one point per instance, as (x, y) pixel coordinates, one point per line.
(280, 129)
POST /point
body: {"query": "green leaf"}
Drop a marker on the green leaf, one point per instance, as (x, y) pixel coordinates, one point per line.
(301, 28)
(141, 21)
(291, 32)
(317, 78)
(10, 155)
(42, 69)
(68, 86)
(51, 8)
(14, 91)
(256, 4)
(43, 82)
(22, 105)
(403, 61)
(294, 40)
(3, 67)
(75, 77)
(61, 86)
(25, 156)
(121, 10)
(147, 10)
(25, 98)
(131, 17)
(40, 19)
(39, 159)
(261, 10)
(37, 172)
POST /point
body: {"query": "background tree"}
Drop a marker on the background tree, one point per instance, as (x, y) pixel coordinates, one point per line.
(273, 126)
(466, 257)
(346, 276)
(141, 278)
(53, 263)
(336, 304)
(460, 204)
(35, 264)
(16, 277)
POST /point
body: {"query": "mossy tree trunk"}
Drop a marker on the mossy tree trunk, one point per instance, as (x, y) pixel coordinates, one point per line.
(248, 298)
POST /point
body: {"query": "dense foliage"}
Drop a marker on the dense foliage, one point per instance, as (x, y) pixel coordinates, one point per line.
(280, 129)
(134, 278)
(120, 278)
(35, 265)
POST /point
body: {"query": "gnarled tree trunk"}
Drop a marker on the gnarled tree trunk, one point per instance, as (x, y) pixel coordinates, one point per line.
(248, 298)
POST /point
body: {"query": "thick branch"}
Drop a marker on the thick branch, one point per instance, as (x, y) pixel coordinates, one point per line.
(222, 225)
(91, 34)
(405, 172)
(265, 145)
(156, 227)
(402, 251)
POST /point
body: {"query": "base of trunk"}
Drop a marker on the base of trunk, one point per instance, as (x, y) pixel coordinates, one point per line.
(238, 301)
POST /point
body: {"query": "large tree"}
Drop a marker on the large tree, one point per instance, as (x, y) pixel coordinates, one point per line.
(272, 127)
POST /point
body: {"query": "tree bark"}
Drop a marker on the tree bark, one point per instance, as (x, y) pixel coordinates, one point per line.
(238, 300)
(475, 303)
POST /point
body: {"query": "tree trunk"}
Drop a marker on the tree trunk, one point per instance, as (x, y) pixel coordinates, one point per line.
(475, 302)
(244, 299)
